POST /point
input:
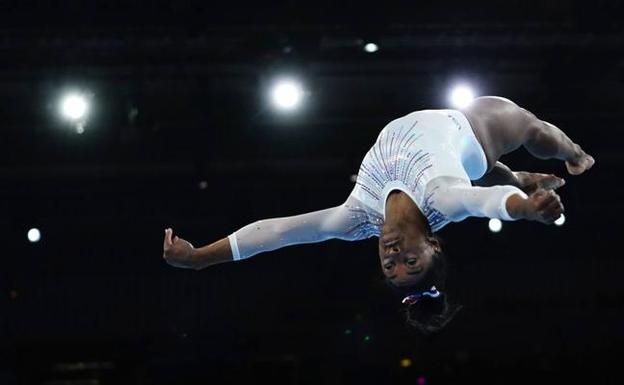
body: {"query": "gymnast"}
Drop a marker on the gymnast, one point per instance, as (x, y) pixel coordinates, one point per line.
(425, 170)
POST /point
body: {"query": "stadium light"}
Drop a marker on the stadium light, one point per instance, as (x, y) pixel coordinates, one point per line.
(371, 47)
(287, 94)
(74, 107)
(461, 96)
(34, 235)
(495, 225)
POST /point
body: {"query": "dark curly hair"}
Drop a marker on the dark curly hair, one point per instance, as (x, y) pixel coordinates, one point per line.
(429, 315)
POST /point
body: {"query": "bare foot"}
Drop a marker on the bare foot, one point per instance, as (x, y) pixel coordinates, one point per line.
(584, 163)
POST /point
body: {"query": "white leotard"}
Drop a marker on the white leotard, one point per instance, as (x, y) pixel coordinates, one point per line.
(431, 155)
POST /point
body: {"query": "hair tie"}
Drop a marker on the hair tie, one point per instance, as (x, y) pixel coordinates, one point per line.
(413, 298)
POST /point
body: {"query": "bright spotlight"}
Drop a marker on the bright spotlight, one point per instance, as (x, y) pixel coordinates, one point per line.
(495, 225)
(287, 94)
(461, 96)
(74, 107)
(560, 221)
(34, 235)
(371, 47)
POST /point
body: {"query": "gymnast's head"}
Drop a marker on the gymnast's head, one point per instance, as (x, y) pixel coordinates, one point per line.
(408, 255)
(414, 267)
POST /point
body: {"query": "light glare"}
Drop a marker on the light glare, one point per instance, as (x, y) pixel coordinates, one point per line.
(461, 96)
(371, 47)
(74, 107)
(34, 235)
(287, 94)
(495, 225)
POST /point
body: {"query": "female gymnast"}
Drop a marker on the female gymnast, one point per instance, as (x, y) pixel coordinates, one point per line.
(425, 170)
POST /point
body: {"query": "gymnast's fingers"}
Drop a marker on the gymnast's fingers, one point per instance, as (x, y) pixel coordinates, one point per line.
(551, 182)
(553, 211)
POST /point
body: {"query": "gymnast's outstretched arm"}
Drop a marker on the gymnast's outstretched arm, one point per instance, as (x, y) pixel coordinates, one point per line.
(458, 200)
(266, 235)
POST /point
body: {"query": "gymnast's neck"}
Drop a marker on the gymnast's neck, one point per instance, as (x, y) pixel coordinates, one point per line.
(403, 217)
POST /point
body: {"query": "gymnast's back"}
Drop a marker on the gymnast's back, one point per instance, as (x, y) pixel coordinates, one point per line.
(415, 150)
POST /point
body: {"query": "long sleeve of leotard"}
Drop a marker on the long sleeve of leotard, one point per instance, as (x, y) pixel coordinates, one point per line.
(457, 200)
(342, 222)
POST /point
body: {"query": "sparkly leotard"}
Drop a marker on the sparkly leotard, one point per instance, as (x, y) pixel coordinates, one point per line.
(430, 155)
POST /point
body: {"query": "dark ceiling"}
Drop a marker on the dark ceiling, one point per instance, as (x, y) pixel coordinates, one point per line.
(179, 97)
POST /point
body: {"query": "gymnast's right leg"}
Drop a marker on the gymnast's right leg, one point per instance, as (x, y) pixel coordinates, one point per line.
(502, 126)
(545, 141)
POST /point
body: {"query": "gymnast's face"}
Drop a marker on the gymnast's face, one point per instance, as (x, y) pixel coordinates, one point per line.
(405, 259)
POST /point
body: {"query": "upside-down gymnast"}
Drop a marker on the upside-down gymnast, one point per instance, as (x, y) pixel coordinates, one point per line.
(425, 170)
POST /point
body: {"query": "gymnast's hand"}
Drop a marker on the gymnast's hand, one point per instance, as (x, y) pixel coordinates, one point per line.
(543, 206)
(530, 182)
(178, 252)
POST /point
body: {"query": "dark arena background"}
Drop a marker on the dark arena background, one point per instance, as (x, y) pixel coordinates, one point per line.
(171, 122)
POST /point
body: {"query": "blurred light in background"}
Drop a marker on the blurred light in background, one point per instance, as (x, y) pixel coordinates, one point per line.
(405, 363)
(287, 94)
(34, 235)
(560, 221)
(495, 225)
(74, 106)
(371, 47)
(461, 96)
